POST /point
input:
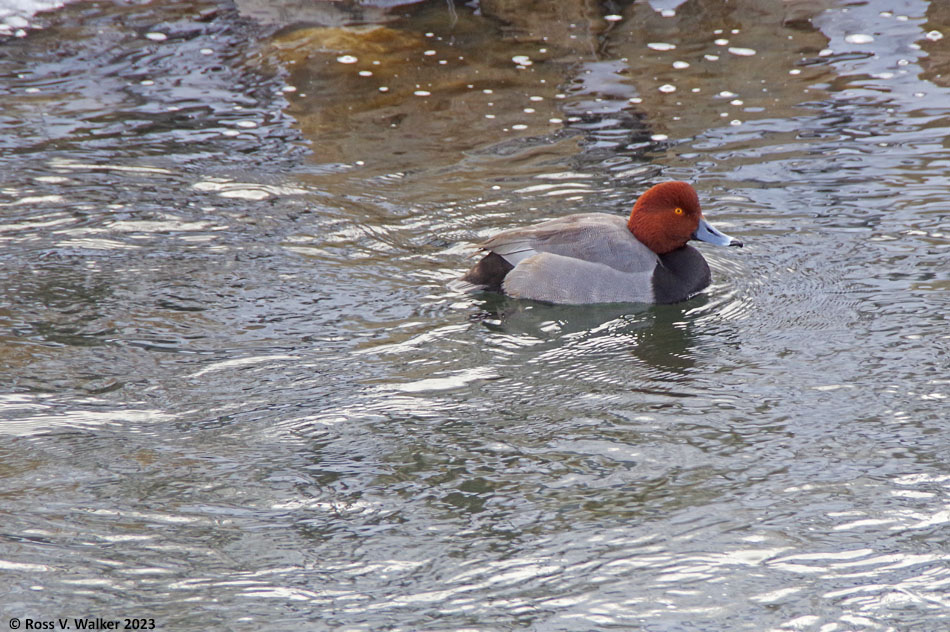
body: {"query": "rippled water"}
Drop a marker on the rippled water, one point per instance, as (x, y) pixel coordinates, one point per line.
(236, 392)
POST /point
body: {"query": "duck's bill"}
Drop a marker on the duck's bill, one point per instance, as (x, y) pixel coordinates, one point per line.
(707, 233)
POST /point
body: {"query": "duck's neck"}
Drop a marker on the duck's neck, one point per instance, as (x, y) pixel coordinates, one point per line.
(650, 235)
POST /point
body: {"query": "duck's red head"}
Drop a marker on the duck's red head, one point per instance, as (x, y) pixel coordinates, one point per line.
(668, 215)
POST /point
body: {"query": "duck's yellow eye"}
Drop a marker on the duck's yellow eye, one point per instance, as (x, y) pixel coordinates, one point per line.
(678, 210)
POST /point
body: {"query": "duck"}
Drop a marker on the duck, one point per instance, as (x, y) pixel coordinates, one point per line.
(588, 258)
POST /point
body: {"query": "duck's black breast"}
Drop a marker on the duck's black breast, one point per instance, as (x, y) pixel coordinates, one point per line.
(681, 274)
(489, 272)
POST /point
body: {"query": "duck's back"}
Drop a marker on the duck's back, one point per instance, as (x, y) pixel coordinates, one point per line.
(595, 237)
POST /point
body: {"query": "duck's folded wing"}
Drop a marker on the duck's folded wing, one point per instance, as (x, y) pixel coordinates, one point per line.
(558, 279)
(595, 237)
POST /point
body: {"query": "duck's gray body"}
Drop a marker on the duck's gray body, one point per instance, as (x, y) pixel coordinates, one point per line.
(586, 258)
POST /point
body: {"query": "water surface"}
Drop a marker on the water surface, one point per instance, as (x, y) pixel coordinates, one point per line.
(236, 391)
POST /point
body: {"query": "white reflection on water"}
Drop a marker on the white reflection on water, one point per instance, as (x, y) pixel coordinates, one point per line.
(240, 363)
(95, 244)
(24, 566)
(26, 415)
(246, 191)
(457, 380)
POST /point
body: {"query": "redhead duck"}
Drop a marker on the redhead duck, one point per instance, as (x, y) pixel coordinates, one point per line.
(600, 258)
